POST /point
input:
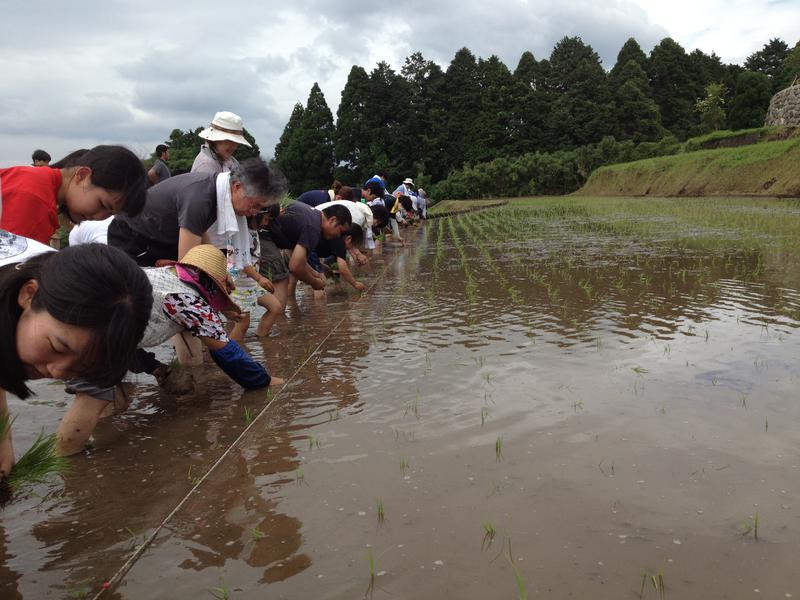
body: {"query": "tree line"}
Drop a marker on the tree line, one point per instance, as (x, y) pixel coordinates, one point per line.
(426, 123)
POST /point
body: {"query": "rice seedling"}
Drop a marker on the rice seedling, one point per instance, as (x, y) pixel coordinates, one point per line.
(36, 466)
(489, 533)
(193, 479)
(413, 406)
(78, 593)
(639, 370)
(523, 594)
(248, 415)
(256, 533)
(656, 580)
(766, 424)
(404, 465)
(751, 526)
(487, 377)
(270, 395)
(743, 400)
(484, 415)
(380, 511)
(498, 449)
(299, 477)
(334, 414)
(313, 442)
(371, 586)
(222, 592)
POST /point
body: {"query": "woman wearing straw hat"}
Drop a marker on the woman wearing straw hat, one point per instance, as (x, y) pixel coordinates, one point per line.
(188, 296)
(222, 137)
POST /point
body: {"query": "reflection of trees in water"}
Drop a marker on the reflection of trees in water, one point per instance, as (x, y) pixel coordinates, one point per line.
(574, 284)
(113, 498)
(9, 578)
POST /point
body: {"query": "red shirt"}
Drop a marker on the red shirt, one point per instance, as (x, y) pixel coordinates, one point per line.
(28, 205)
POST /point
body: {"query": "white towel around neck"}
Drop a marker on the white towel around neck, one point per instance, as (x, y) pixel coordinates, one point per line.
(231, 227)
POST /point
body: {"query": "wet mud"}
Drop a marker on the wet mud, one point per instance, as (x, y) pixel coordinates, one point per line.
(520, 399)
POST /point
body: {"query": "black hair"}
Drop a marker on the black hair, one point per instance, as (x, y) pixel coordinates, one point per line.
(341, 212)
(160, 149)
(375, 188)
(260, 179)
(336, 186)
(406, 203)
(357, 235)
(114, 168)
(380, 216)
(40, 155)
(93, 286)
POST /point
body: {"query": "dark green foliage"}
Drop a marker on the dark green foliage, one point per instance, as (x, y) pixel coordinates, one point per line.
(288, 132)
(630, 51)
(460, 108)
(636, 114)
(493, 128)
(539, 173)
(390, 142)
(581, 109)
(426, 116)
(770, 61)
(352, 135)
(750, 103)
(791, 65)
(307, 161)
(531, 105)
(674, 90)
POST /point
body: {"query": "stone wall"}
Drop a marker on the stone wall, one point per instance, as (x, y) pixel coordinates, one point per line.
(784, 108)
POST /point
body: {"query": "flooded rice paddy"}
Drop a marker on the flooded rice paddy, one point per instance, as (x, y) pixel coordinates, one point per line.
(559, 398)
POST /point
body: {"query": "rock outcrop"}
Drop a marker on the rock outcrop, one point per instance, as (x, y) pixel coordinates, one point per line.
(784, 108)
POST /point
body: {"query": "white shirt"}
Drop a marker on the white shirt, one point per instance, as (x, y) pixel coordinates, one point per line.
(90, 232)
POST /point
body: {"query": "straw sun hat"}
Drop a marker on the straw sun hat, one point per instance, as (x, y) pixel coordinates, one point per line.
(211, 261)
(408, 181)
(225, 126)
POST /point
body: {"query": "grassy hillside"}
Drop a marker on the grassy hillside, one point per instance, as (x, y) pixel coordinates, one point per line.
(761, 169)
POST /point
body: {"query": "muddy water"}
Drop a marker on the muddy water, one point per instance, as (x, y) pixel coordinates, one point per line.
(611, 406)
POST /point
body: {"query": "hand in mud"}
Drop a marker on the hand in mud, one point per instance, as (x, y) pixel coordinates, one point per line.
(361, 259)
(276, 381)
(360, 286)
(177, 381)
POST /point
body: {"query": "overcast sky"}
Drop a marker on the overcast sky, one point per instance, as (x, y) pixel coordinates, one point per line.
(79, 73)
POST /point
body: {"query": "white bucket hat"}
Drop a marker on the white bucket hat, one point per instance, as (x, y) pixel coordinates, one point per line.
(225, 126)
(408, 181)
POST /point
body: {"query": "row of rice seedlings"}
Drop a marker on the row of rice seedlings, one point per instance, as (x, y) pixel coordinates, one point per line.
(471, 286)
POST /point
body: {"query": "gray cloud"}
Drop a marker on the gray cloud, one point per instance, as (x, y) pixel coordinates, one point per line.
(127, 72)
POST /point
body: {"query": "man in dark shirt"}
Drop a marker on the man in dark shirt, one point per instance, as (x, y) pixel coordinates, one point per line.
(300, 230)
(159, 171)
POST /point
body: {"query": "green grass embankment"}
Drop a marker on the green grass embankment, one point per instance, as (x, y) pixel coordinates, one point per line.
(763, 169)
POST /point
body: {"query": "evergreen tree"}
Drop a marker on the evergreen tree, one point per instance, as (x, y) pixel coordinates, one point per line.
(351, 135)
(494, 127)
(288, 132)
(531, 105)
(631, 50)
(581, 109)
(308, 159)
(673, 87)
(636, 113)
(751, 100)
(460, 106)
(770, 61)
(425, 78)
(387, 117)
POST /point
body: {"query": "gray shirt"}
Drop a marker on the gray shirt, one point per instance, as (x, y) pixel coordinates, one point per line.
(186, 201)
(162, 170)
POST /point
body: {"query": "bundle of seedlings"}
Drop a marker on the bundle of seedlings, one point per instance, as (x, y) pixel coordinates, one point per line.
(37, 465)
